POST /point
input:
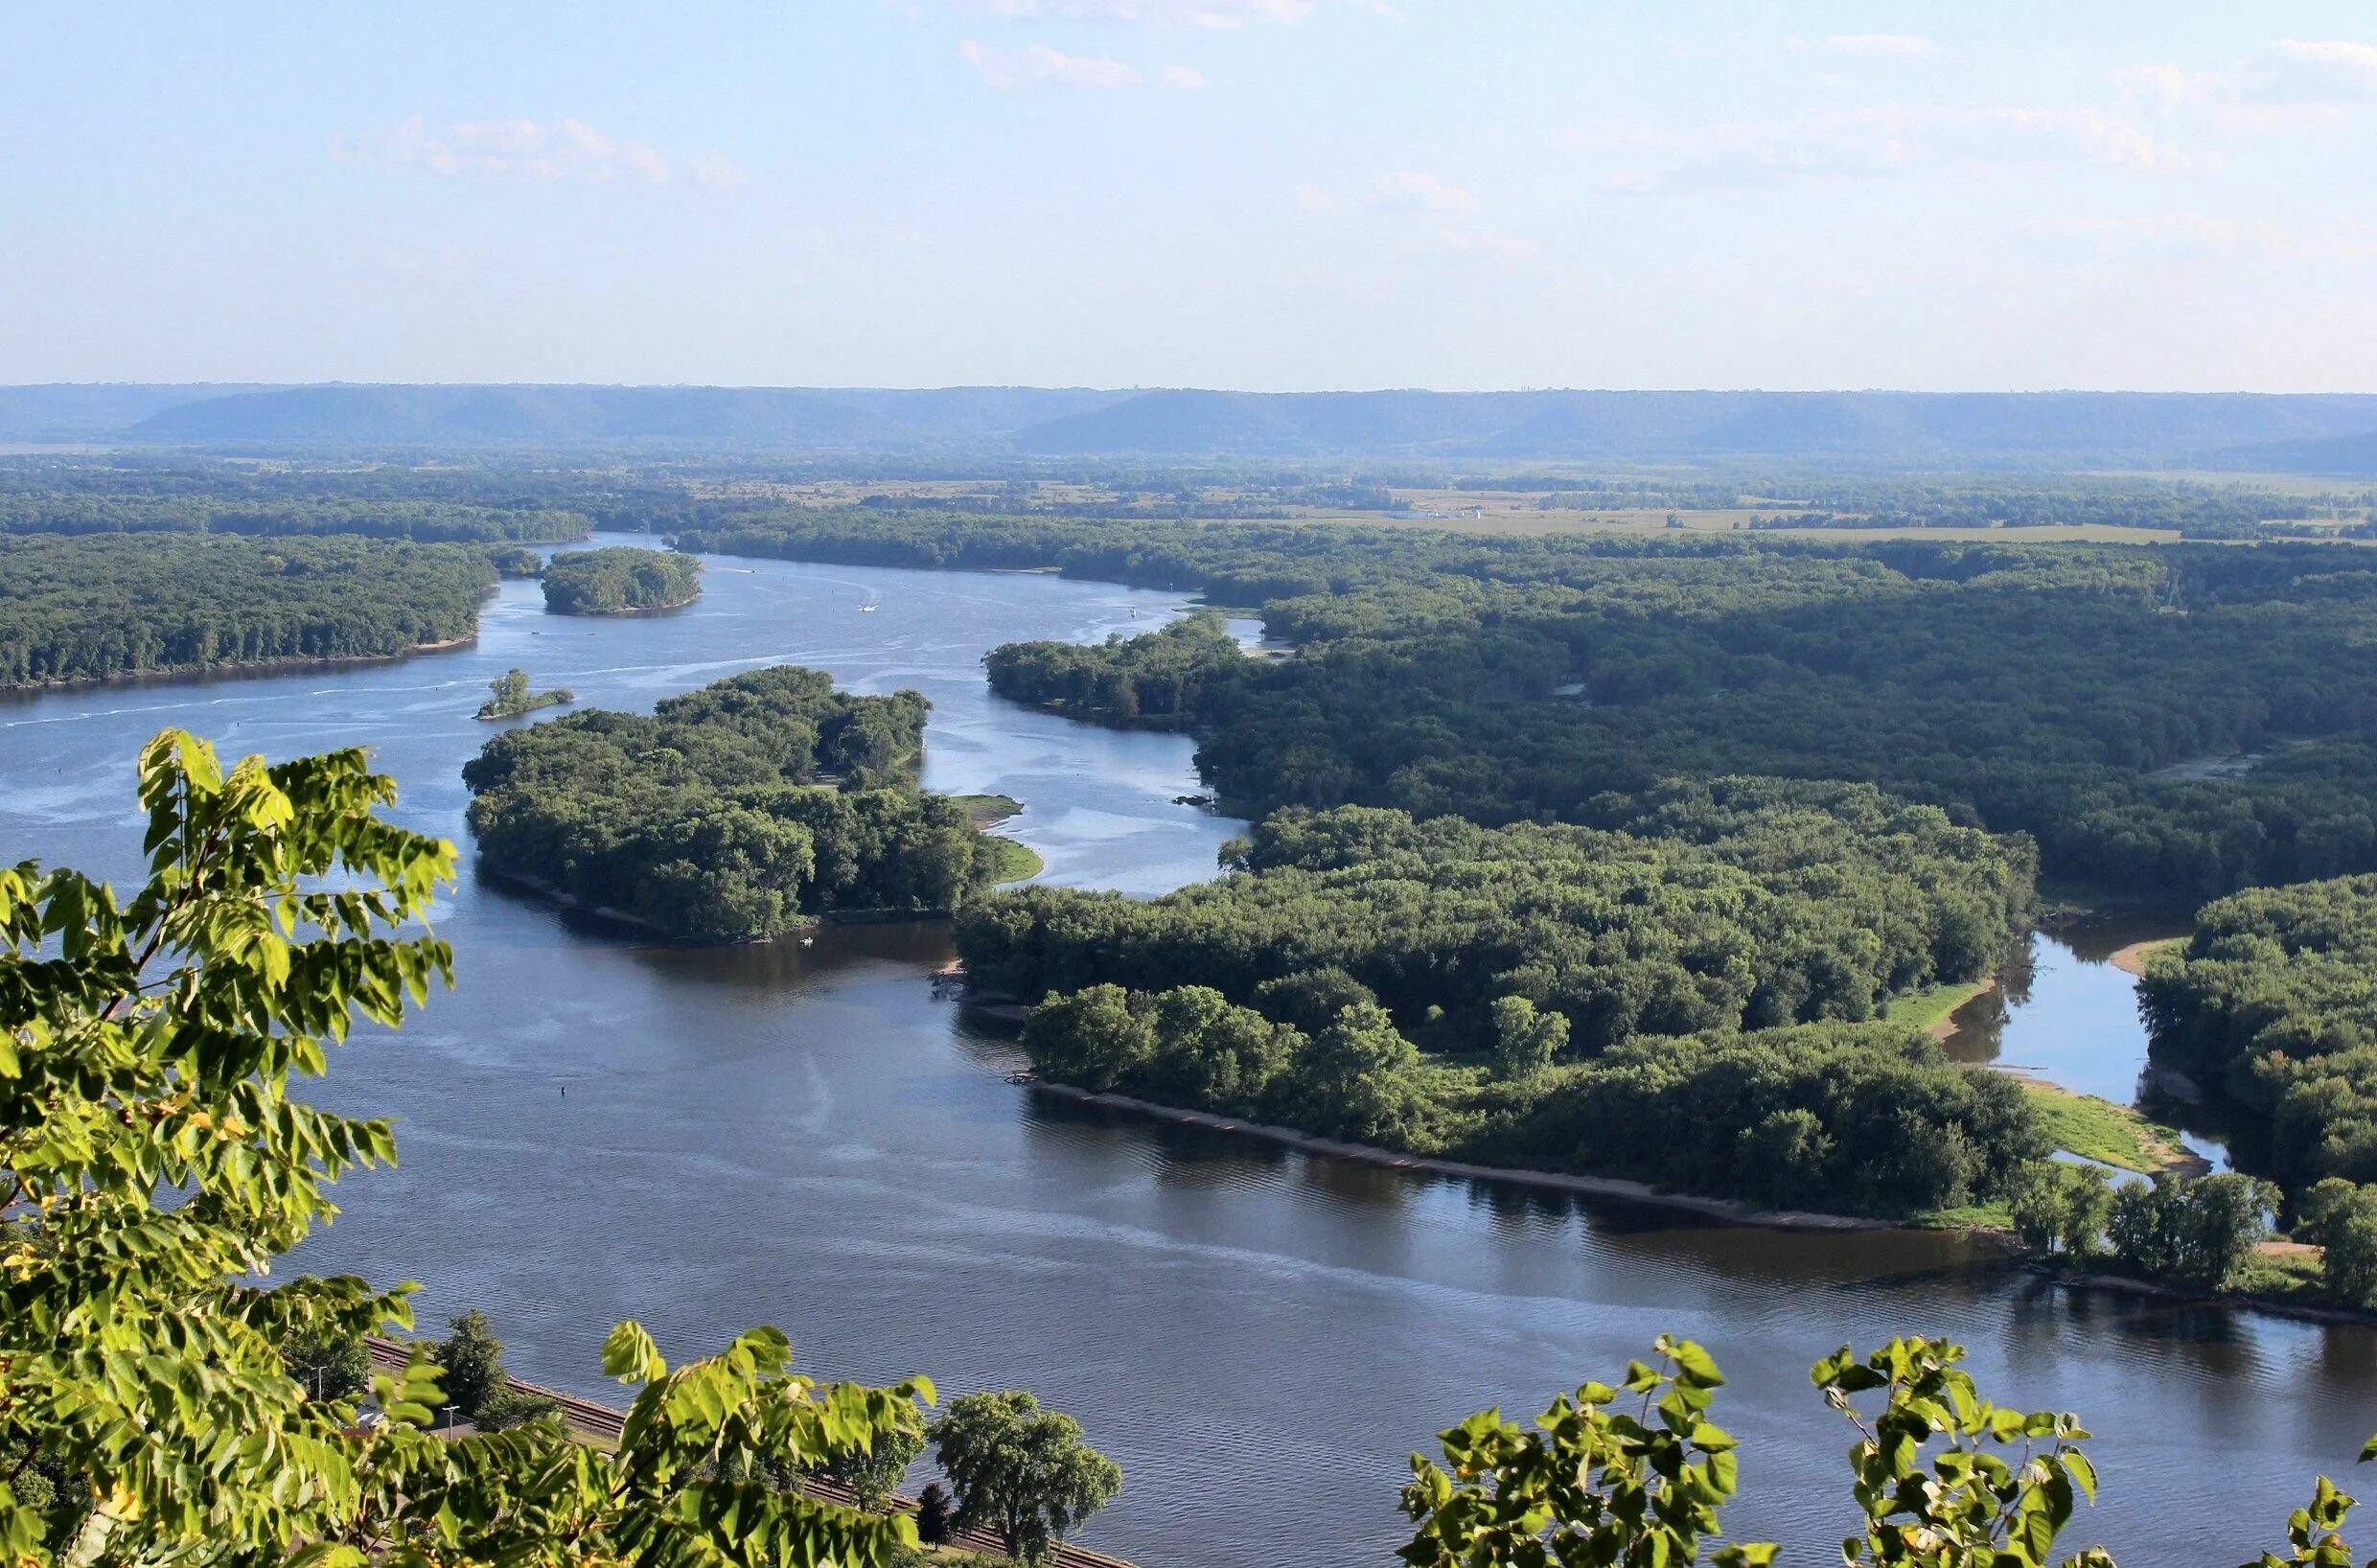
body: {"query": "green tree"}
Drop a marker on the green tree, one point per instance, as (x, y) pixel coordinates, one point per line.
(873, 1473)
(511, 691)
(2200, 1231)
(471, 1357)
(2058, 1206)
(1021, 1471)
(1359, 1079)
(327, 1365)
(1590, 1484)
(1526, 1041)
(156, 1164)
(1971, 1506)
(2340, 1217)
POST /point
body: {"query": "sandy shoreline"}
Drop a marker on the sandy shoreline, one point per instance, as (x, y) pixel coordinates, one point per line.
(2131, 960)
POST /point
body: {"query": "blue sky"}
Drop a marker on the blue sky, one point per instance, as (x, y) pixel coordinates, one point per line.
(1265, 194)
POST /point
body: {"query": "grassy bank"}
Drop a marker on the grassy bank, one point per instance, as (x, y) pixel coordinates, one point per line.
(1017, 862)
(1929, 1009)
(988, 811)
(2099, 1130)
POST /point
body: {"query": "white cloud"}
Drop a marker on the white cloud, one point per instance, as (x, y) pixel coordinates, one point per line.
(2321, 77)
(1184, 77)
(566, 150)
(1871, 143)
(1426, 191)
(1880, 45)
(1037, 65)
(1313, 199)
(2298, 71)
(1208, 14)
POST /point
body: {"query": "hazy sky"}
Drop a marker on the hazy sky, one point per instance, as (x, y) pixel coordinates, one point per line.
(1269, 194)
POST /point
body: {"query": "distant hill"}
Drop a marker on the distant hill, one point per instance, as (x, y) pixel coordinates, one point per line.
(97, 411)
(2321, 433)
(2345, 456)
(776, 419)
(1953, 429)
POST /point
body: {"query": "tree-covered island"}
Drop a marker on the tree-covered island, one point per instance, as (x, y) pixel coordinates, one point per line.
(511, 697)
(619, 579)
(735, 813)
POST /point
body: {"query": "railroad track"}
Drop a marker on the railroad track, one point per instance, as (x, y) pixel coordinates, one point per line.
(603, 1424)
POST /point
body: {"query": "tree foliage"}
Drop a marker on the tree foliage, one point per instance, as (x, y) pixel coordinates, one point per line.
(2273, 1002)
(1021, 1471)
(158, 1165)
(85, 609)
(619, 578)
(2037, 688)
(1869, 1118)
(719, 817)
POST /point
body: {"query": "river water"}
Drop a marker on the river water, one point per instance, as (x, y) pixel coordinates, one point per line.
(594, 1128)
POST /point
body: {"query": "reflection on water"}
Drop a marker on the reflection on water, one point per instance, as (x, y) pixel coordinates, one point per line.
(596, 1127)
(2062, 1011)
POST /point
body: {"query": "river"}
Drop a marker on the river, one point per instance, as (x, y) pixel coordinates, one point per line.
(594, 1128)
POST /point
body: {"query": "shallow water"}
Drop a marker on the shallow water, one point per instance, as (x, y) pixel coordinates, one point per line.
(593, 1127)
(2063, 1012)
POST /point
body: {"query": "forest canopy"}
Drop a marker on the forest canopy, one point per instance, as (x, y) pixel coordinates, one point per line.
(85, 609)
(2273, 1003)
(2188, 720)
(1683, 1000)
(1740, 903)
(619, 578)
(732, 812)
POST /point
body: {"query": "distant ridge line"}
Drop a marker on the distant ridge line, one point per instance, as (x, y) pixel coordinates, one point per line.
(2281, 432)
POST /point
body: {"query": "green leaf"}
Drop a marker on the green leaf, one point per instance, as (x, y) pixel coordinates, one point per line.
(630, 1356)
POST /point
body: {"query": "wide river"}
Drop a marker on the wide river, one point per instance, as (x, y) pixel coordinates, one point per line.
(595, 1128)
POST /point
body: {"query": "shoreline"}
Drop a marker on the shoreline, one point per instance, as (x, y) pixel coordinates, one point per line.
(2094, 1279)
(251, 666)
(2131, 960)
(626, 610)
(1730, 1209)
(1725, 1210)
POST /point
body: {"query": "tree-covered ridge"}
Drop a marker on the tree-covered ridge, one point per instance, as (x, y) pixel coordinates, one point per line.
(619, 578)
(731, 813)
(1737, 904)
(2273, 1002)
(85, 609)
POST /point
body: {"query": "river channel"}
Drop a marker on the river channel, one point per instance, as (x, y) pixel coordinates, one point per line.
(593, 1127)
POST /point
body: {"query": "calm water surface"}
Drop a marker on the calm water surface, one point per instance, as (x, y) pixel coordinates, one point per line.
(2063, 1012)
(594, 1128)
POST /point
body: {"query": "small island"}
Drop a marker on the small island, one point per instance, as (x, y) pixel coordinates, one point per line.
(736, 813)
(620, 580)
(512, 697)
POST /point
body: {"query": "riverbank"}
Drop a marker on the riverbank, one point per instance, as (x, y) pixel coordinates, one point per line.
(249, 666)
(2131, 960)
(626, 610)
(1597, 1187)
(2290, 1305)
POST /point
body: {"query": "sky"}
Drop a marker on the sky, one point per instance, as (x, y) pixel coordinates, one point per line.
(1272, 195)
